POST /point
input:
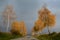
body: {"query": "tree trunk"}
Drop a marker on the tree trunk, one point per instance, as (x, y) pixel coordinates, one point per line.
(48, 30)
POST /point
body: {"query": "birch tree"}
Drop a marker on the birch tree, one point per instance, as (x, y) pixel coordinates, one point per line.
(8, 16)
(47, 17)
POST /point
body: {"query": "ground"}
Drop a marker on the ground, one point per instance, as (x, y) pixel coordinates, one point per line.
(26, 38)
(51, 36)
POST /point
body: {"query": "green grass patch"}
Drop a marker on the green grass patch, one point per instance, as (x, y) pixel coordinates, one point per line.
(8, 36)
(52, 36)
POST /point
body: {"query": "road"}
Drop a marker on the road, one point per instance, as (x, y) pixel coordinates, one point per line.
(26, 38)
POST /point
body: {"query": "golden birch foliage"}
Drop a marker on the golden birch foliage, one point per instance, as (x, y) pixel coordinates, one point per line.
(47, 17)
(44, 11)
(23, 28)
(39, 25)
(19, 27)
(16, 26)
(52, 20)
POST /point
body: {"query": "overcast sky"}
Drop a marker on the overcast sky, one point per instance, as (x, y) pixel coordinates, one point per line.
(27, 10)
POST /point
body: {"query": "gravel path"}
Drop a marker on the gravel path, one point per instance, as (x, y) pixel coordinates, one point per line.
(26, 38)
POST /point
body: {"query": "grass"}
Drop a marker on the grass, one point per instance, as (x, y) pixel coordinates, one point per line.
(8, 36)
(52, 36)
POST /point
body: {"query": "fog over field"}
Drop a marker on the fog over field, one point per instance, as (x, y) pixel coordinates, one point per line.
(27, 10)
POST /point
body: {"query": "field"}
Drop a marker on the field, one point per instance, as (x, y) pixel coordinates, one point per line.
(52, 36)
(8, 36)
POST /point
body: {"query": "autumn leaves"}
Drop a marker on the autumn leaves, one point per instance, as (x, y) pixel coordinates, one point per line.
(19, 28)
(45, 19)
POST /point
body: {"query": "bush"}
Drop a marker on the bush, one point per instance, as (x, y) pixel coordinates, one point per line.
(52, 36)
(8, 36)
(14, 32)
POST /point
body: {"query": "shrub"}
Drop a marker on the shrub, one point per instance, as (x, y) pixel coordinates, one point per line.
(14, 32)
